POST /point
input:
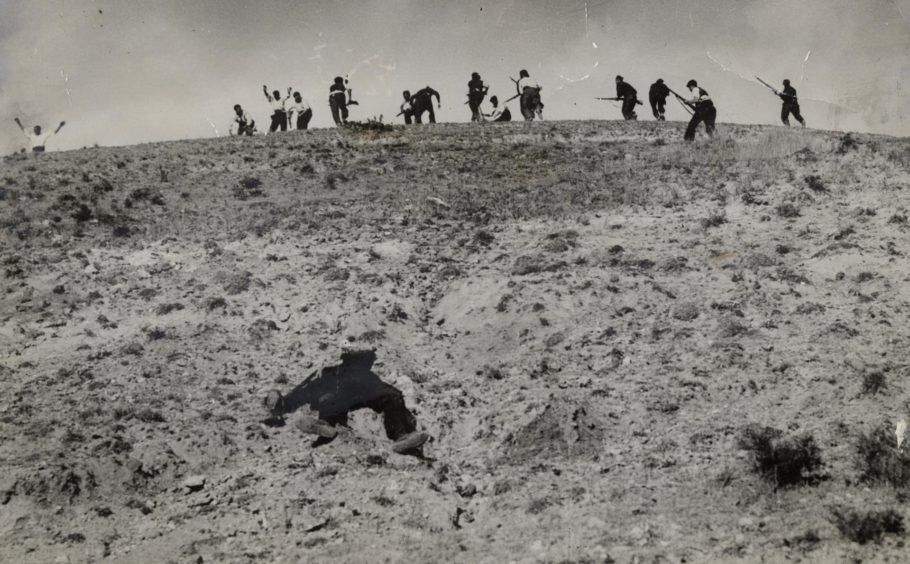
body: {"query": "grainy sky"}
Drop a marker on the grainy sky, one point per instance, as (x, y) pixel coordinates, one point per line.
(131, 71)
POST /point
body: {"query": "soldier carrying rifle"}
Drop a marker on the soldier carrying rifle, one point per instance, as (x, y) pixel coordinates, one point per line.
(702, 107)
(791, 102)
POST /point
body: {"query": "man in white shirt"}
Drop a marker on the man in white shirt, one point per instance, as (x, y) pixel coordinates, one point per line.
(407, 109)
(498, 113)
(243, 124)
(38, 139)
(279, 114)
(529, 90)
(704, 111)
(299, 108)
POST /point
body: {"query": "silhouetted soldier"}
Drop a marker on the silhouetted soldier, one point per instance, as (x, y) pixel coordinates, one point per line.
(704, 111)
(477, 91)
(301, 110)
(422, 102)
(407, 109)
(328, 396)
(338, 101)
(498, 114)
(657, 96)
(243, 123)
(791, 104)
(529, 92)
(629, 97)
(279, 115)
(36, 139)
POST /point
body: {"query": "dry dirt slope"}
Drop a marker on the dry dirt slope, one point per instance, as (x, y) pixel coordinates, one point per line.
(589, 331)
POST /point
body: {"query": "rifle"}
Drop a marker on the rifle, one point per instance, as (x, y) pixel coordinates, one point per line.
(351, 101)
(776, 92)
(637, 101)
(689, 107)
(769, 86)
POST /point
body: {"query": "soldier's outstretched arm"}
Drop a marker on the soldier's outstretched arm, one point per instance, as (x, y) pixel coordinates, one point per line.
(265, 91)
(59, 127)
(19, 123)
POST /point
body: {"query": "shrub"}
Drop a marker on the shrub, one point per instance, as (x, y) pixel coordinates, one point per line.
(879, 460)
(785, 462)
(865, 526)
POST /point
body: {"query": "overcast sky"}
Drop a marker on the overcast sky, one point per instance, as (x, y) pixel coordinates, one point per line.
(131, 71)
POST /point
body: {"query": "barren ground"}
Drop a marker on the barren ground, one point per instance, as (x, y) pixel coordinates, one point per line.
(587, 327)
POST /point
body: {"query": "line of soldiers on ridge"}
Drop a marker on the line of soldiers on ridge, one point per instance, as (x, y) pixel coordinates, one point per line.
(294, 110)
(527, 90)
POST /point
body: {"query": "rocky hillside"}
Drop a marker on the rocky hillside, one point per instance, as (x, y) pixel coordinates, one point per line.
(623, 347)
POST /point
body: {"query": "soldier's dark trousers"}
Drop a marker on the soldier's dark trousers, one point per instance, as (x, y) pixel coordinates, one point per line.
(474, 102)
(279, 121)
(420, 108)
(339, 108)
(628, 109)
(788, 109)
(658, 109)
(303, 120)
(707, 115)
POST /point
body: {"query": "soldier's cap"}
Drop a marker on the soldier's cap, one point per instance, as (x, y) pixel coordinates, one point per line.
(786, 82)
(660, 81)
(691, 83)
(475, 75)
(406, 93)
(236, 106)
(523, 72)
(338, 80)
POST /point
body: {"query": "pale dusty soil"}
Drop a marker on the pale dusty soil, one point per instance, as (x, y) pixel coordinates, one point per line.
(582, 347)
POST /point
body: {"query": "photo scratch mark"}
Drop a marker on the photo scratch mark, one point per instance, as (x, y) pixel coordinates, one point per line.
(802, 72)
(726, 68)
(215, 129)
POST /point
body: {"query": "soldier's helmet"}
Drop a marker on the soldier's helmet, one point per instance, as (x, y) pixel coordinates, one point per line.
(523, 73)
(786, 82)
(691, 83)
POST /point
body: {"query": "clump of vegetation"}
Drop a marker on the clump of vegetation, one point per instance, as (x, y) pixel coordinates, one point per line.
(874, 382)
(372, 124)
(249, 187)
(783, 461)
(880, 461)
(864, 526)
(714, 220)
(815, 183)
(788, 211)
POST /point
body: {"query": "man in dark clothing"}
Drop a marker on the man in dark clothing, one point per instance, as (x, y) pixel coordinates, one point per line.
(332, 392)
(279, 114)
(704, 111)
(791, 104)
(477, 91)
(338, 101)
(629, 97)
(657, 96)
(422, 102)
